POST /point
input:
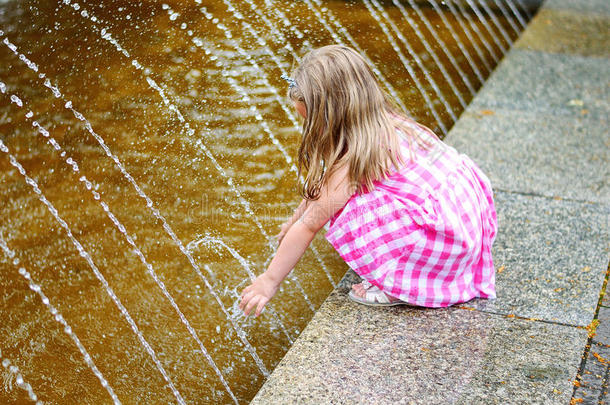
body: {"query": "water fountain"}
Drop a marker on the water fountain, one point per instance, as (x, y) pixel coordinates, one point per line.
(147, 159)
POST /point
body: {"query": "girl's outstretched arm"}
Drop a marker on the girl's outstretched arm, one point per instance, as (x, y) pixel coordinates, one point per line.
(298, 213)
(333, 196)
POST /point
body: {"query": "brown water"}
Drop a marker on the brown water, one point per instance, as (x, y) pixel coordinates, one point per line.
(244, 193)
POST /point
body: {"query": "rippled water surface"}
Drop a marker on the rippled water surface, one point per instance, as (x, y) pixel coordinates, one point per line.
(146, 162)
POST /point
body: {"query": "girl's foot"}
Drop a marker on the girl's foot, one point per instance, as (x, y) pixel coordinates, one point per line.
(360, 290)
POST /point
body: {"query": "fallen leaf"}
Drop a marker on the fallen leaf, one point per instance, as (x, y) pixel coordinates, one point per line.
(599, 358)
(486, 112)
(501, 269)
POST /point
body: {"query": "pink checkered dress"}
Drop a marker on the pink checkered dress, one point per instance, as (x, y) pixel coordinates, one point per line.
(423, 235)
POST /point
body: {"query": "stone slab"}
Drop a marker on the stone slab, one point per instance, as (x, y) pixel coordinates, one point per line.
(602, 332)
(559, 84)
(606, 296)
(580, 6)
(351, 353)
(563, 31)
(537, 152)
(550, 258)
(593, 383)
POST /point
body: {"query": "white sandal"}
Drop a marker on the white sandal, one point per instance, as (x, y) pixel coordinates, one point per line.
(374, 297)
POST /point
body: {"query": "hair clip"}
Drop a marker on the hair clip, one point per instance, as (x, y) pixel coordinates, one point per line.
(291, 82)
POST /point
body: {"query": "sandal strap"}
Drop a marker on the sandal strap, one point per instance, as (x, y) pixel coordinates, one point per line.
(374, 294)
(366, 284)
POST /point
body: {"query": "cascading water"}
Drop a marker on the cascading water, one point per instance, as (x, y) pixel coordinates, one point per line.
(147, 158)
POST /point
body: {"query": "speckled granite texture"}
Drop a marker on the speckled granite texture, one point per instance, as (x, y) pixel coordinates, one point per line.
(538, 152)
(552, 83)
(355, 354)
(539, 129)
(549, 259)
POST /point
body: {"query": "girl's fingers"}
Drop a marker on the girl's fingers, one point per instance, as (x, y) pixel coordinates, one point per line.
(246, 291)
(251, 304)
(244, 299)
(260, 306)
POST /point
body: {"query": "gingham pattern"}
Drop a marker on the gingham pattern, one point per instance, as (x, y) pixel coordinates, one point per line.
(423, 235)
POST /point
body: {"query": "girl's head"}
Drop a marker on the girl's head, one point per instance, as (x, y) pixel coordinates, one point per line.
(349, 119)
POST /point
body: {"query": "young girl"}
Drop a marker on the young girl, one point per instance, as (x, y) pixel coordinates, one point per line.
(415, 219)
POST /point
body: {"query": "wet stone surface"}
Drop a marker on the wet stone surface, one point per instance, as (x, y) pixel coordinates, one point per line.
(580, 6)
(561, 31)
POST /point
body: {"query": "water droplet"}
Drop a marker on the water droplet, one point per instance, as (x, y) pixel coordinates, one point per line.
(16, 100)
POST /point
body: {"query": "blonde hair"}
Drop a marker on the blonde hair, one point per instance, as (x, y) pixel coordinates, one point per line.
(350, 120)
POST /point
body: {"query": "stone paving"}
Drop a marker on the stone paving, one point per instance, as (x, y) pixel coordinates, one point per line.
(539, 129)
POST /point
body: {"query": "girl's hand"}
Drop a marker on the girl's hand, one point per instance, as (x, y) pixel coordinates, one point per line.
(258, 294)
(283, 230)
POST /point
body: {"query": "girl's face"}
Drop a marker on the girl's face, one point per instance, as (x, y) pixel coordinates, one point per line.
(300, 107)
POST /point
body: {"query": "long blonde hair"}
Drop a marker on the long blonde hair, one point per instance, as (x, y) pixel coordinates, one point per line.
(350, 120)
